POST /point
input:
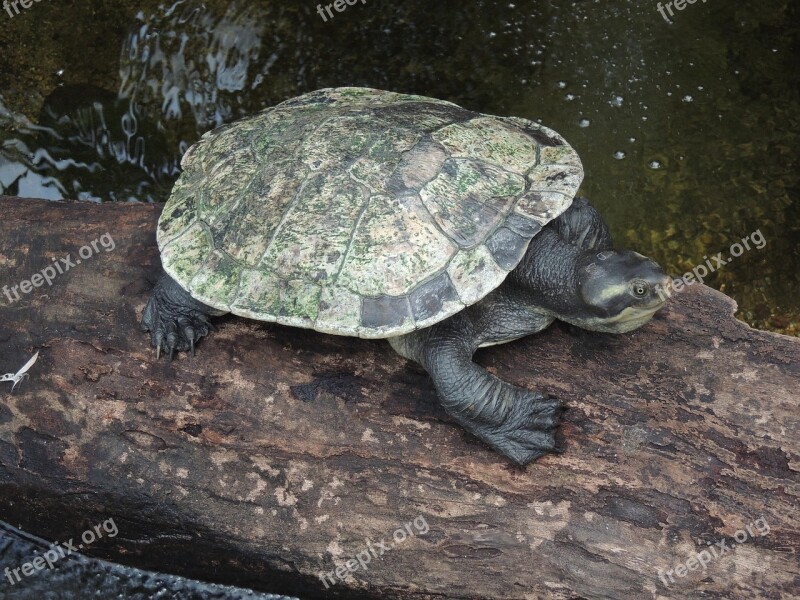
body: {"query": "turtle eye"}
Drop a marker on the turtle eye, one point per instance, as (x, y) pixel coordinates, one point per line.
(640, 288)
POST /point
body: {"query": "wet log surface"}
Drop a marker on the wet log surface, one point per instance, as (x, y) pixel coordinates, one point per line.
(276, 453)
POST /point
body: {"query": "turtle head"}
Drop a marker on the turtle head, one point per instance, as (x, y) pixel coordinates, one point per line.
(621, 290)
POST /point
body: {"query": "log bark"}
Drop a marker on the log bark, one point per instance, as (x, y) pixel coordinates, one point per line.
(277, 454)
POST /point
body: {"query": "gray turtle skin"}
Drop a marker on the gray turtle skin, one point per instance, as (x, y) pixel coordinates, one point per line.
(380, 215)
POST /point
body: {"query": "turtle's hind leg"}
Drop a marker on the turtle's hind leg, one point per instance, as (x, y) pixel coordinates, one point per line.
(516, 422)
(175, 320)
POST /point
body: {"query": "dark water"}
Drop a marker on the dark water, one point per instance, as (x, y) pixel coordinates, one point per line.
(688, 130)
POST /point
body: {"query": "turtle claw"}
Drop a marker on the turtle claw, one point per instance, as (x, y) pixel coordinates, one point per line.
(189, 333)
(157, 339)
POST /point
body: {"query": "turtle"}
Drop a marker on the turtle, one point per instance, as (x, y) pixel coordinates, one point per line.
(376, 214)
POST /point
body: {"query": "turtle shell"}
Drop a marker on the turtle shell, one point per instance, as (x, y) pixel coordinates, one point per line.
(361, 212)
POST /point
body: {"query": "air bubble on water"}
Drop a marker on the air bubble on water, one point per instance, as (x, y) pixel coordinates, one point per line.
(619, 155)
(584, 122)
(655, 164)
(569, 97)
(492, 34)
(700, 88)
(562, 84)
(687, 98)
(616, 101)
(669, 93)
(631, 139)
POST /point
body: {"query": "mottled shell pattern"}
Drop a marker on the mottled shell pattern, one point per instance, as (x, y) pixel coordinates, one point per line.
(361, 212)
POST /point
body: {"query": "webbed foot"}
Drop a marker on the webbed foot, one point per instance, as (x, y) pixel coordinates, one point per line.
(526, 429)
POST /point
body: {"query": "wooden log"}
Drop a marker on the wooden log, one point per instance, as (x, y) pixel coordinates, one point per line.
(277, 455)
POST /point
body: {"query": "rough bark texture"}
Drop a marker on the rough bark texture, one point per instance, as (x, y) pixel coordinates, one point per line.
(276, 453)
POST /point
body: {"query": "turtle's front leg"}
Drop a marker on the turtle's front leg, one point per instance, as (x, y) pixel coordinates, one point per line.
(514, 421)
(175, 320)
